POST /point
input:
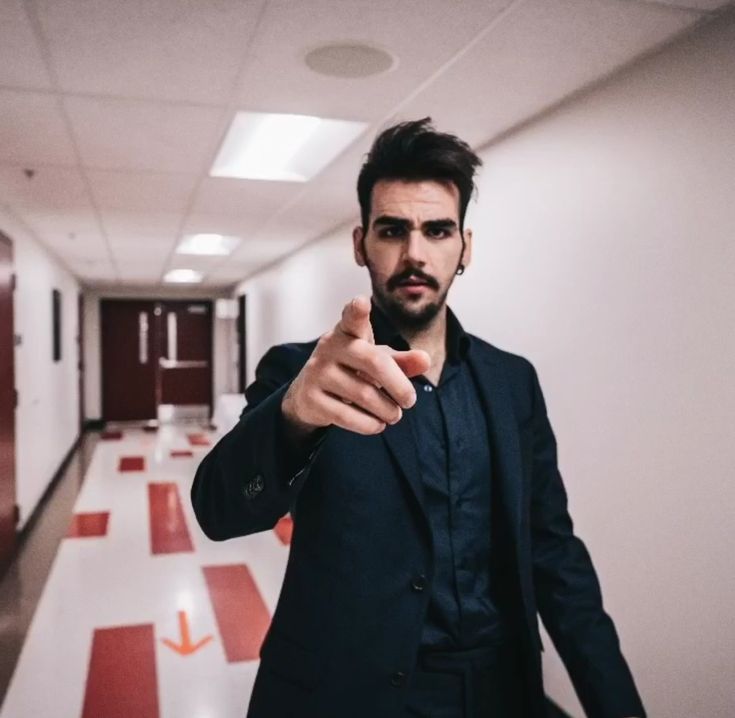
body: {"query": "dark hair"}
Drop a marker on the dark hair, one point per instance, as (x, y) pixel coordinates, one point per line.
(415, 151)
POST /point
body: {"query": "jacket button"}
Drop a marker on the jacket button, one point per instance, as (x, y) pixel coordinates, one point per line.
(418, 583)
(398, 678)
(254, 487)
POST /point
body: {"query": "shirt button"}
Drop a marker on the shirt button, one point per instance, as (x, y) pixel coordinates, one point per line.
(418, 583)
(398, 678)
(428, 387)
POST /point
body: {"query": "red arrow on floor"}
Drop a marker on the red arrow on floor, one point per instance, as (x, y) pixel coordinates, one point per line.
(185, 647)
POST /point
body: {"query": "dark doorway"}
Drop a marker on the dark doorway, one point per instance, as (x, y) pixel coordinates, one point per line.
(242, 334)
(8, 510)
(156, 359)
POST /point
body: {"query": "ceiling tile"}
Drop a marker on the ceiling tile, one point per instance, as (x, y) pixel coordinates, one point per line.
(148, 226)
(537, 55)
(423, 34)
(142, 191)
(49, 188)
(243, 198)
(21, 63)
(32, 130)
(145, 136)
(167, 49)
(136, 249)
(222, 224)
(137, 271)
(64, 228)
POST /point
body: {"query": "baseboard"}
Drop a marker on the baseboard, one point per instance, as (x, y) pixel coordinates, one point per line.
(38, 509)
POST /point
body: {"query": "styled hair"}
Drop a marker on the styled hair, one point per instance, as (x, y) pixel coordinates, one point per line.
(414, 151)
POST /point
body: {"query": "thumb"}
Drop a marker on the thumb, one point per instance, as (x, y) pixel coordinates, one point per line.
(413, 361)
(355, 320)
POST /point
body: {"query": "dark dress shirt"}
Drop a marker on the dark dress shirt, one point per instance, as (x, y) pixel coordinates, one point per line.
(451, 436)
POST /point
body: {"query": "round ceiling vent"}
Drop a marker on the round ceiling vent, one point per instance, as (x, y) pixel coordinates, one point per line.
(352, 60)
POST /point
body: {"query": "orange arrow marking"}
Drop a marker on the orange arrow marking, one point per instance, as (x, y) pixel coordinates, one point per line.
(185, 647)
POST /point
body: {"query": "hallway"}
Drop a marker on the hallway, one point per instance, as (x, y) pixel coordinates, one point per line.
(141, 614)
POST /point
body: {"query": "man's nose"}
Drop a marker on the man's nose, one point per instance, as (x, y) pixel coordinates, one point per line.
(415, 248)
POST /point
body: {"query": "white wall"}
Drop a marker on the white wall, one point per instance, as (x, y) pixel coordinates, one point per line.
(224, 342)
(604, 253)
(47, 417)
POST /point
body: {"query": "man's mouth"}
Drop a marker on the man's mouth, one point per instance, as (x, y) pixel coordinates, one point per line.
(413, 282)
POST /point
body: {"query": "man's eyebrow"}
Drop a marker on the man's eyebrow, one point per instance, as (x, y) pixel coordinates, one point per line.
(448, 223)
(445, 222)
(387, 219)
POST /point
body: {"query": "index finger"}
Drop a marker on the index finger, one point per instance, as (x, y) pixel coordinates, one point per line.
(355, 321)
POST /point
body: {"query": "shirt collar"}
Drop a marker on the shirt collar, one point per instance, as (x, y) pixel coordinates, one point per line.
(385, 332)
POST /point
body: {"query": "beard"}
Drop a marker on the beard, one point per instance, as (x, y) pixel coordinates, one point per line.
(402, 313)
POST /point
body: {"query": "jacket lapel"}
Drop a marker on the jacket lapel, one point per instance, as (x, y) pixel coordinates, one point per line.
(502, 428)
(401, 442)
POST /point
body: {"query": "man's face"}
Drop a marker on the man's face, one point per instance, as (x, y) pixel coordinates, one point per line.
(412, 248)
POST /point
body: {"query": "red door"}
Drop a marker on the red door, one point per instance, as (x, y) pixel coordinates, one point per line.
(156, 359)
(128, 360)
(185, 364)
(8, 518)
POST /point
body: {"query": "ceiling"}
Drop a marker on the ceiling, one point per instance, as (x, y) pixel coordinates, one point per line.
(111, 112)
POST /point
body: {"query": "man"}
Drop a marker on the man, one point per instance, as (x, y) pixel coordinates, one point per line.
(419, 465)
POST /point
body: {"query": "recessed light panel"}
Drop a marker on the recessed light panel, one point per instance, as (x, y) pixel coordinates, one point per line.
(287, 148)
(183, 276)
(207, 244)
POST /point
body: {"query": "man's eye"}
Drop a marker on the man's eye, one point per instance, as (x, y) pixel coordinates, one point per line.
(391, 232)
(438, 232)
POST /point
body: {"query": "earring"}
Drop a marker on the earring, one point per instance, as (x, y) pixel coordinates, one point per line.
(460, 270)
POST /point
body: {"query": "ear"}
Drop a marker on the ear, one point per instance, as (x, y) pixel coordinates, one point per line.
(467, 256)
(357, 235)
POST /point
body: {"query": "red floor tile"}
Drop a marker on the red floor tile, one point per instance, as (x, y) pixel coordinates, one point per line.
(111, 435)
(242, 616)
(181, 453)
(198, 439)
(132, 463)
(89, 524)
(284, 529)
(168, 530)
(121, 677)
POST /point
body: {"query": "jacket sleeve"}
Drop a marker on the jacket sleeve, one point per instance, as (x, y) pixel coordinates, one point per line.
(568, 590)
(252, 476)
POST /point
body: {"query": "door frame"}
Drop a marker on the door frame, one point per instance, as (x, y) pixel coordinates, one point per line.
(8, 551)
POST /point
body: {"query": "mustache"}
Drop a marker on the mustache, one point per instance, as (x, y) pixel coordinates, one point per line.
(412, 274)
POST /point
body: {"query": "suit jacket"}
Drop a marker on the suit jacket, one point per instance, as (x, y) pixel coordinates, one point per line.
(347, 626)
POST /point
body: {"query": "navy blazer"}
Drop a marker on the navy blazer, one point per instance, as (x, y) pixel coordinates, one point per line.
(347, 626)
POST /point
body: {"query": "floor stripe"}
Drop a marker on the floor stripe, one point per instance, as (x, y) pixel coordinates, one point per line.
(131, 463)
(168, 530)
(242, 616)
(181, 453)
(121, 678)
(88, 524)
(284, 529)
(198, 439)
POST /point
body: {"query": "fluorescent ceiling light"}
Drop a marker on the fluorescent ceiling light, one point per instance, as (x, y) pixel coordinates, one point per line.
(291, 148)
(183, 276)
(209, 244)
